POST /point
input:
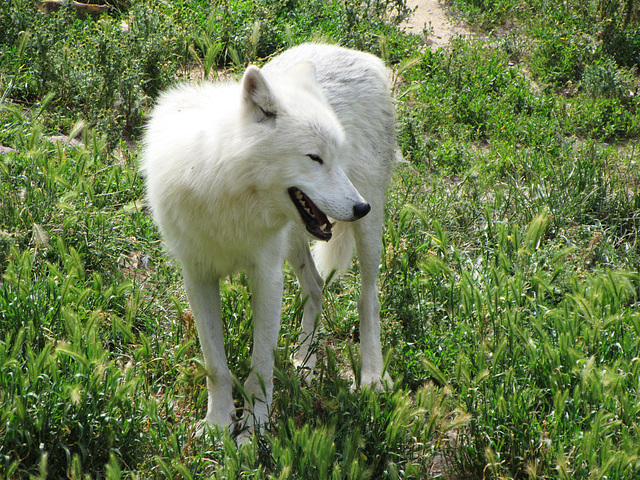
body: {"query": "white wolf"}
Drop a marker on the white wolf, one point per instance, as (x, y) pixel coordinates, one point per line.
(235, 172)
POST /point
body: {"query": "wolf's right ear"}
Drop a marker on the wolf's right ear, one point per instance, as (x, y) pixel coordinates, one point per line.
(257, 95)
(304, 73)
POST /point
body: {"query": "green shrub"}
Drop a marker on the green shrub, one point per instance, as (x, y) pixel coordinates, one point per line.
(98, 68)
(63, 399)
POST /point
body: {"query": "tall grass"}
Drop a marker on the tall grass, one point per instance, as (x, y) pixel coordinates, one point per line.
(508, 281)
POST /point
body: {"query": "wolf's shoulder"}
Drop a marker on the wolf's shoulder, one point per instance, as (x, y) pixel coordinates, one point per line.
(194, 96)
(326, 53)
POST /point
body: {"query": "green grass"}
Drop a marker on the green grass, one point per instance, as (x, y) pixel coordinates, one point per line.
(509, 279)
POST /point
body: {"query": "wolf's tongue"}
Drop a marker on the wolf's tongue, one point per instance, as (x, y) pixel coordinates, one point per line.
(315, 220)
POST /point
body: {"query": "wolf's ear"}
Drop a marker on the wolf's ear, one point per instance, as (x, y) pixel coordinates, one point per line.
(304, 73)
(257, 95)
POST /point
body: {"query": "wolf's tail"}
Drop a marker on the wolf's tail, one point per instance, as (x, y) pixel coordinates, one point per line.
(336, 254)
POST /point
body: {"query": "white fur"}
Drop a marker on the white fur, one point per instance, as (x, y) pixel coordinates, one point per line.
(219, 160)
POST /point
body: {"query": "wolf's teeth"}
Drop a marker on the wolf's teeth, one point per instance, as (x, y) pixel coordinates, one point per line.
(302, 200)
(323, 227)
(306, 207)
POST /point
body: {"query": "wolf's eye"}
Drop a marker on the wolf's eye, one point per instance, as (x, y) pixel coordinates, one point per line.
(316, 158)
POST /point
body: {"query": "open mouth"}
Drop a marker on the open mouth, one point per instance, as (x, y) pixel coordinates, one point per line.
(315, 220)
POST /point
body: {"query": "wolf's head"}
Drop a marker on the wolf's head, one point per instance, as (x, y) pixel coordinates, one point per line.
(298, 142)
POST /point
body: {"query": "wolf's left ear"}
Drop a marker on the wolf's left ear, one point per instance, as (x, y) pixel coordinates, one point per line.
(304, 74)
(257, 95)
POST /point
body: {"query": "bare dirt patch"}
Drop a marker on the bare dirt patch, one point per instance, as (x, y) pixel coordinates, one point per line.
(431, 17)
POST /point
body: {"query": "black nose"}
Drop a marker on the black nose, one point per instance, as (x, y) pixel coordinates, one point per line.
(361, 209)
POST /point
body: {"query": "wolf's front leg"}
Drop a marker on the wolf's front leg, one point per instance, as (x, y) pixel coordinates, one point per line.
(204, 298)
(266, 303)
(369, 247)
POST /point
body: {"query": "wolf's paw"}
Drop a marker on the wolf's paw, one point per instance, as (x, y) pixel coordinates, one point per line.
(204, 428)
(201, 428)
(239, 430)
(375, 381)
(305, 366)
(242, 431)
(216, 421)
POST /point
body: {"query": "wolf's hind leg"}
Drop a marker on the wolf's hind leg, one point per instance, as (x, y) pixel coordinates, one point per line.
(204, 298)
(311, 284)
